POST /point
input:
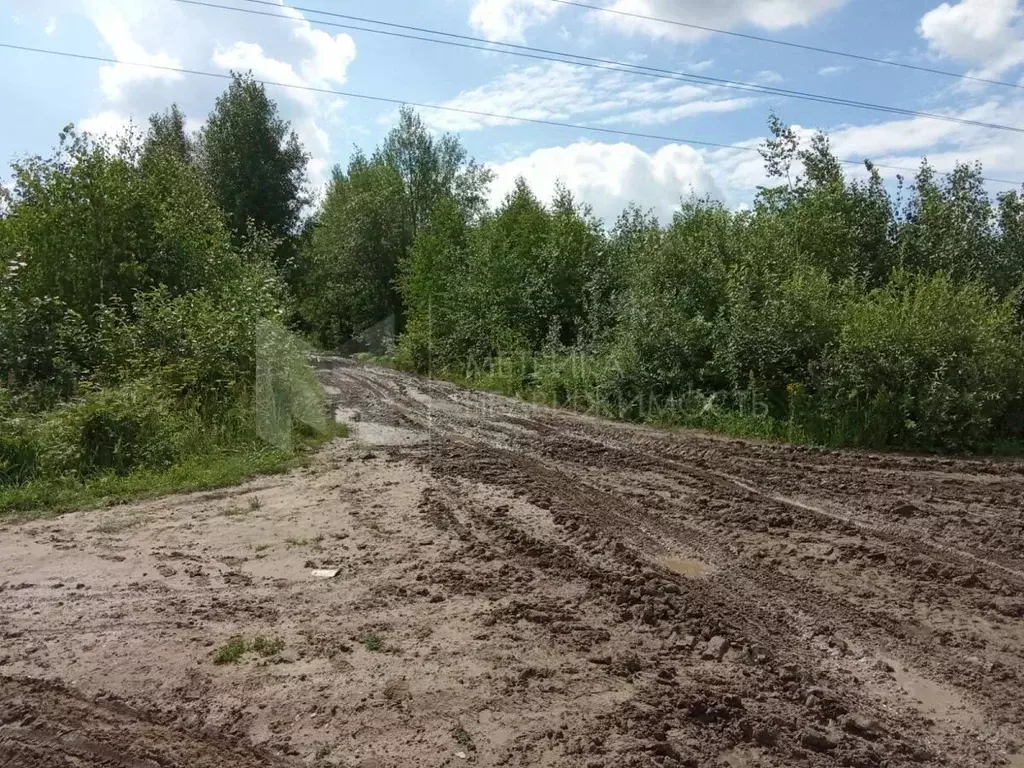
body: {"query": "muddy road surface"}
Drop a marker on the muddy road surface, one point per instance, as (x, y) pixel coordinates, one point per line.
(517, 586)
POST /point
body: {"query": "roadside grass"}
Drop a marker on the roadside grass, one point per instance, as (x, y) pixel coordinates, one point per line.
(235, 648)
(230, 652)
(373, 643)
(721, 421)
(53, 496)
(729, 423)
(266, 646)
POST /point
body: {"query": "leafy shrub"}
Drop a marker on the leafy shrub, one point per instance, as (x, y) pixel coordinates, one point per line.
(352, 257)
(111, 430)
(44, 347)
(774, 343)
(18, 455)
(675, 289)
(925, 363)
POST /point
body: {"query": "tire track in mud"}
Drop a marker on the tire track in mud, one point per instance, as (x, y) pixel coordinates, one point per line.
(742, 587)
(687, 707)
(605, 486)
(45, 725)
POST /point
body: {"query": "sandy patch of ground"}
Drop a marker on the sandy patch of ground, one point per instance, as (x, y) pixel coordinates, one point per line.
(524, 587)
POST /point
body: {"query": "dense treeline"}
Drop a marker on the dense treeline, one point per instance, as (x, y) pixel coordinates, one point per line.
(147, 283)
(143, 302)
(829, 311)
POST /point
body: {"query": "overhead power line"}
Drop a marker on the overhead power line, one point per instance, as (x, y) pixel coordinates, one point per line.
(442, 108)
(587, 61)
(788, 44)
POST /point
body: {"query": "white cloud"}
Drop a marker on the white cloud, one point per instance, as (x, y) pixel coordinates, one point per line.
(107, 123)
(830, 71)
(663, 115)
(242, 57)
(51, 25)
(330, 56)
(509, 19)
(920, 134)
(768, 77)
(562, 91)
(727, 14)
(288, 51)
(116, 30)
(609, 176)
(984, 32)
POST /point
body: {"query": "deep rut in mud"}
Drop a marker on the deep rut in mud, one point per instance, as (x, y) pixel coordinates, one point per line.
(869, 606)
(45, 725)
(542, 589)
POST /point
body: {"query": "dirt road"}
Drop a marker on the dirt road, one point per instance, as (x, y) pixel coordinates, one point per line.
(524, 587)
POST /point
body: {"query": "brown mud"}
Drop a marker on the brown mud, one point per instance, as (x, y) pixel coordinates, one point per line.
(520, 586)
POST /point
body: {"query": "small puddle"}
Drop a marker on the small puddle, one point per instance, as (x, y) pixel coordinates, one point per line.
(691, 569)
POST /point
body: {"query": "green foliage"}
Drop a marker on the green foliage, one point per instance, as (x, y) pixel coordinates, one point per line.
(515, 281)
(230, 652)
(431, 169)
(145, 283)
(98, 222)
(223, 467)
(19, 454)
(167, 133)
(362, 233)
(254, 164)
(435, 286)
(674, 288)
(266, 646)
(774, 341)
(925, 362)
(110, 430)
(827, 313)
(142, 345)
(353, 255)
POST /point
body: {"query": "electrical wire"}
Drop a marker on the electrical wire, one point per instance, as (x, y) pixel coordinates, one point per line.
(789, 44)
(441, 108)
(590, 62)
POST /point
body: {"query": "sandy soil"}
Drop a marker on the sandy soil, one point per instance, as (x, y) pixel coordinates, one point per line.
(524, 587)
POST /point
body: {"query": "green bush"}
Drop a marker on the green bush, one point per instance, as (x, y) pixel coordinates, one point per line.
(18, 455)
(675, 288)
(139, 332)
(774, 343)
(925, 363)
(111, 430)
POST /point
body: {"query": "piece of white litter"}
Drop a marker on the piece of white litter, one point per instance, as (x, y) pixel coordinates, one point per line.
(325, 573)
(460, 755)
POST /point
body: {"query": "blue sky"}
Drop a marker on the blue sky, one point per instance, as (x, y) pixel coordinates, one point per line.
(981, 37)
